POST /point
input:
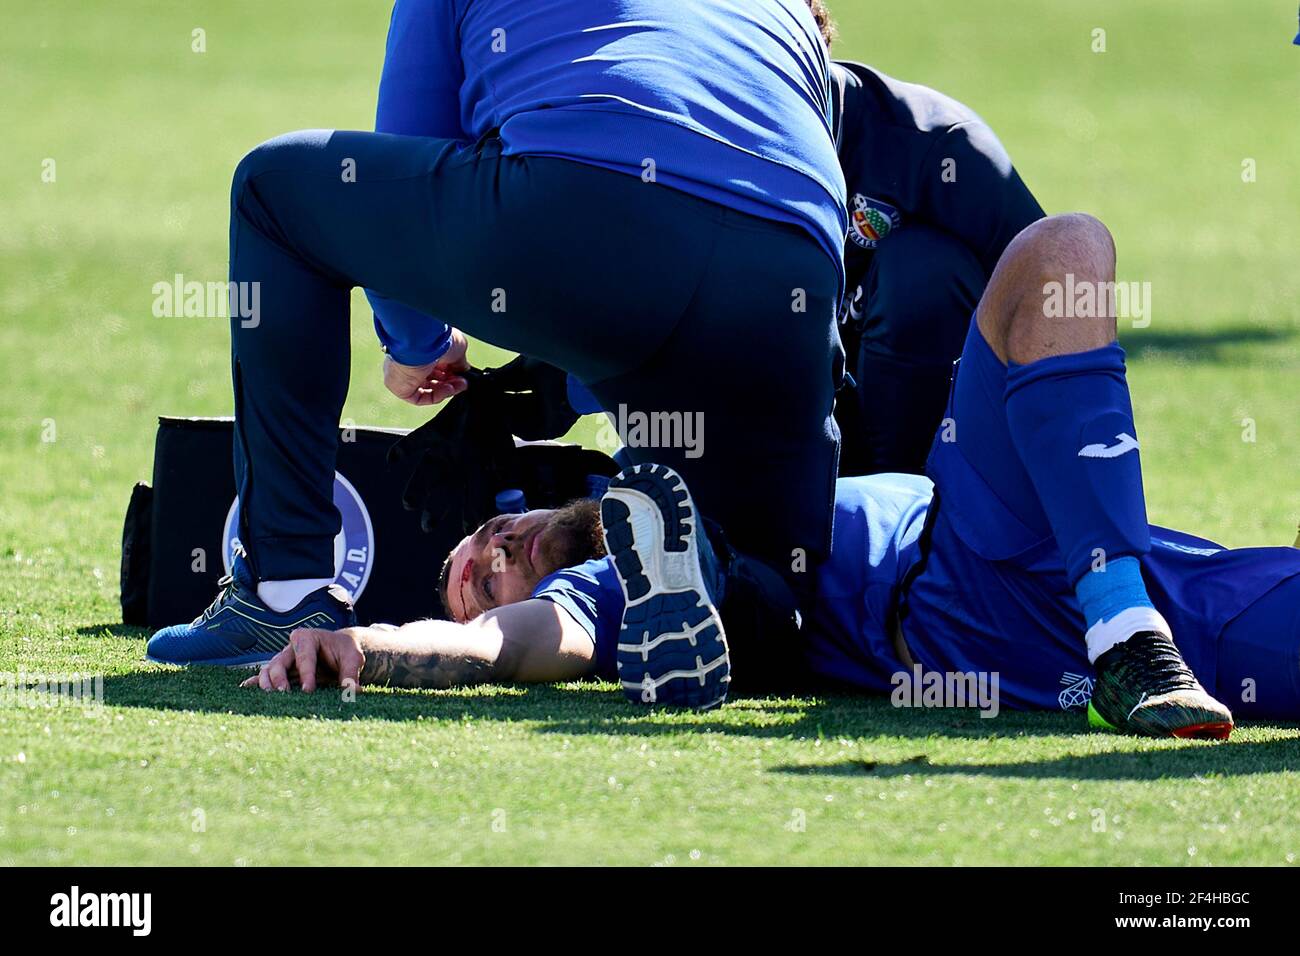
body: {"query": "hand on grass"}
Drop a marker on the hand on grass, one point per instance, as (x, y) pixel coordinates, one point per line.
(432, 383)
(314, 658)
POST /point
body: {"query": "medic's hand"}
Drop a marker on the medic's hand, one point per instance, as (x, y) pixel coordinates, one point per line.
(432, 383)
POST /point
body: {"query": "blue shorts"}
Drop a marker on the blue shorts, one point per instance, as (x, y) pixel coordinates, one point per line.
(994, 594)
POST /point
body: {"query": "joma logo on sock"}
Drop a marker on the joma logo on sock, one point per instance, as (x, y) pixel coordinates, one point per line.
(74, 909)
(1124, 443)
(1085, 299)
(916, 688)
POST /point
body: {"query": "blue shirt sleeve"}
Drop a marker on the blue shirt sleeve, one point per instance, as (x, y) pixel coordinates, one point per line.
(419, 90)
(580, 398)
(419, 95)
(591, 594)
(408, 335)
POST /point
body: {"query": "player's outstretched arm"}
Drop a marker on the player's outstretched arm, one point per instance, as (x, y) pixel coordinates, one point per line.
(529, 642)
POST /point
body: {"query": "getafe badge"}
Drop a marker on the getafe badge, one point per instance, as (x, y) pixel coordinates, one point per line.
(870, 220)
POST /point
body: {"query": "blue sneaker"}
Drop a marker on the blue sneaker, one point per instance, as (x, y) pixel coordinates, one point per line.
(671, 645)
(237, 629)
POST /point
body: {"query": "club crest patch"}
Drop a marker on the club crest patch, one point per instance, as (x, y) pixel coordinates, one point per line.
(354, 545)
(871, 220)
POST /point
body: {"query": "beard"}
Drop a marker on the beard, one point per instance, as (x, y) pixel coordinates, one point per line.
(575, 536)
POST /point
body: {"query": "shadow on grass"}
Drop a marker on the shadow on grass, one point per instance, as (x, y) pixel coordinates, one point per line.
(113, 630)
(1185, 760)
(570, 709)
(820, 716)
(217, 690)
(586, 708)
(1226, 345)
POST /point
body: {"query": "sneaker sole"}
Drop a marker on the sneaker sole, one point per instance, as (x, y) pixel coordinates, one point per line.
(247, 660)
(1213, 730)
(1208, 730)
(672, 648)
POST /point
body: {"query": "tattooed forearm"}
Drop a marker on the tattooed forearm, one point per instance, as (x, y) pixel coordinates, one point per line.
(423, 667)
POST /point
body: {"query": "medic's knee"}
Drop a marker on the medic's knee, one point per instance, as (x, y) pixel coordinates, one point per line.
(290, 151)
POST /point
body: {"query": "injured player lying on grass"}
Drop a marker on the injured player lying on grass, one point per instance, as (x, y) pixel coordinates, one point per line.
(1026, 552)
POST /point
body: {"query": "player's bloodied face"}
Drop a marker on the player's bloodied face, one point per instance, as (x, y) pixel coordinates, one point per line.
(503, 561)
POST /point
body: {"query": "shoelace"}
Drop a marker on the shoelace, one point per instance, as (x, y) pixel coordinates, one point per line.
(1155, 658)
(226, 585)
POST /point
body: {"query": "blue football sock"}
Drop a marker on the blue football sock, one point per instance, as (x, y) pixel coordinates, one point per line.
(1108, 590)
(1072, 423)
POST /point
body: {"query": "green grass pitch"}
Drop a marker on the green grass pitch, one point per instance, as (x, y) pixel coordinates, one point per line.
(1153, 135)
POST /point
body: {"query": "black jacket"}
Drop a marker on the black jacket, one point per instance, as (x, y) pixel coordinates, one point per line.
(911, 154)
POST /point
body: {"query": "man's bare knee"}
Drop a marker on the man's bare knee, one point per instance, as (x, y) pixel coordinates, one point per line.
(1029, 311)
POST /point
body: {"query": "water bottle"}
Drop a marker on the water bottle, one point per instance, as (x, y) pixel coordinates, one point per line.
(510, 501)
(597, 485)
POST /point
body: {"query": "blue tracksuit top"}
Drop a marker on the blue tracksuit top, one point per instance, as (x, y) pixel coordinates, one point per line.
(728, 98)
